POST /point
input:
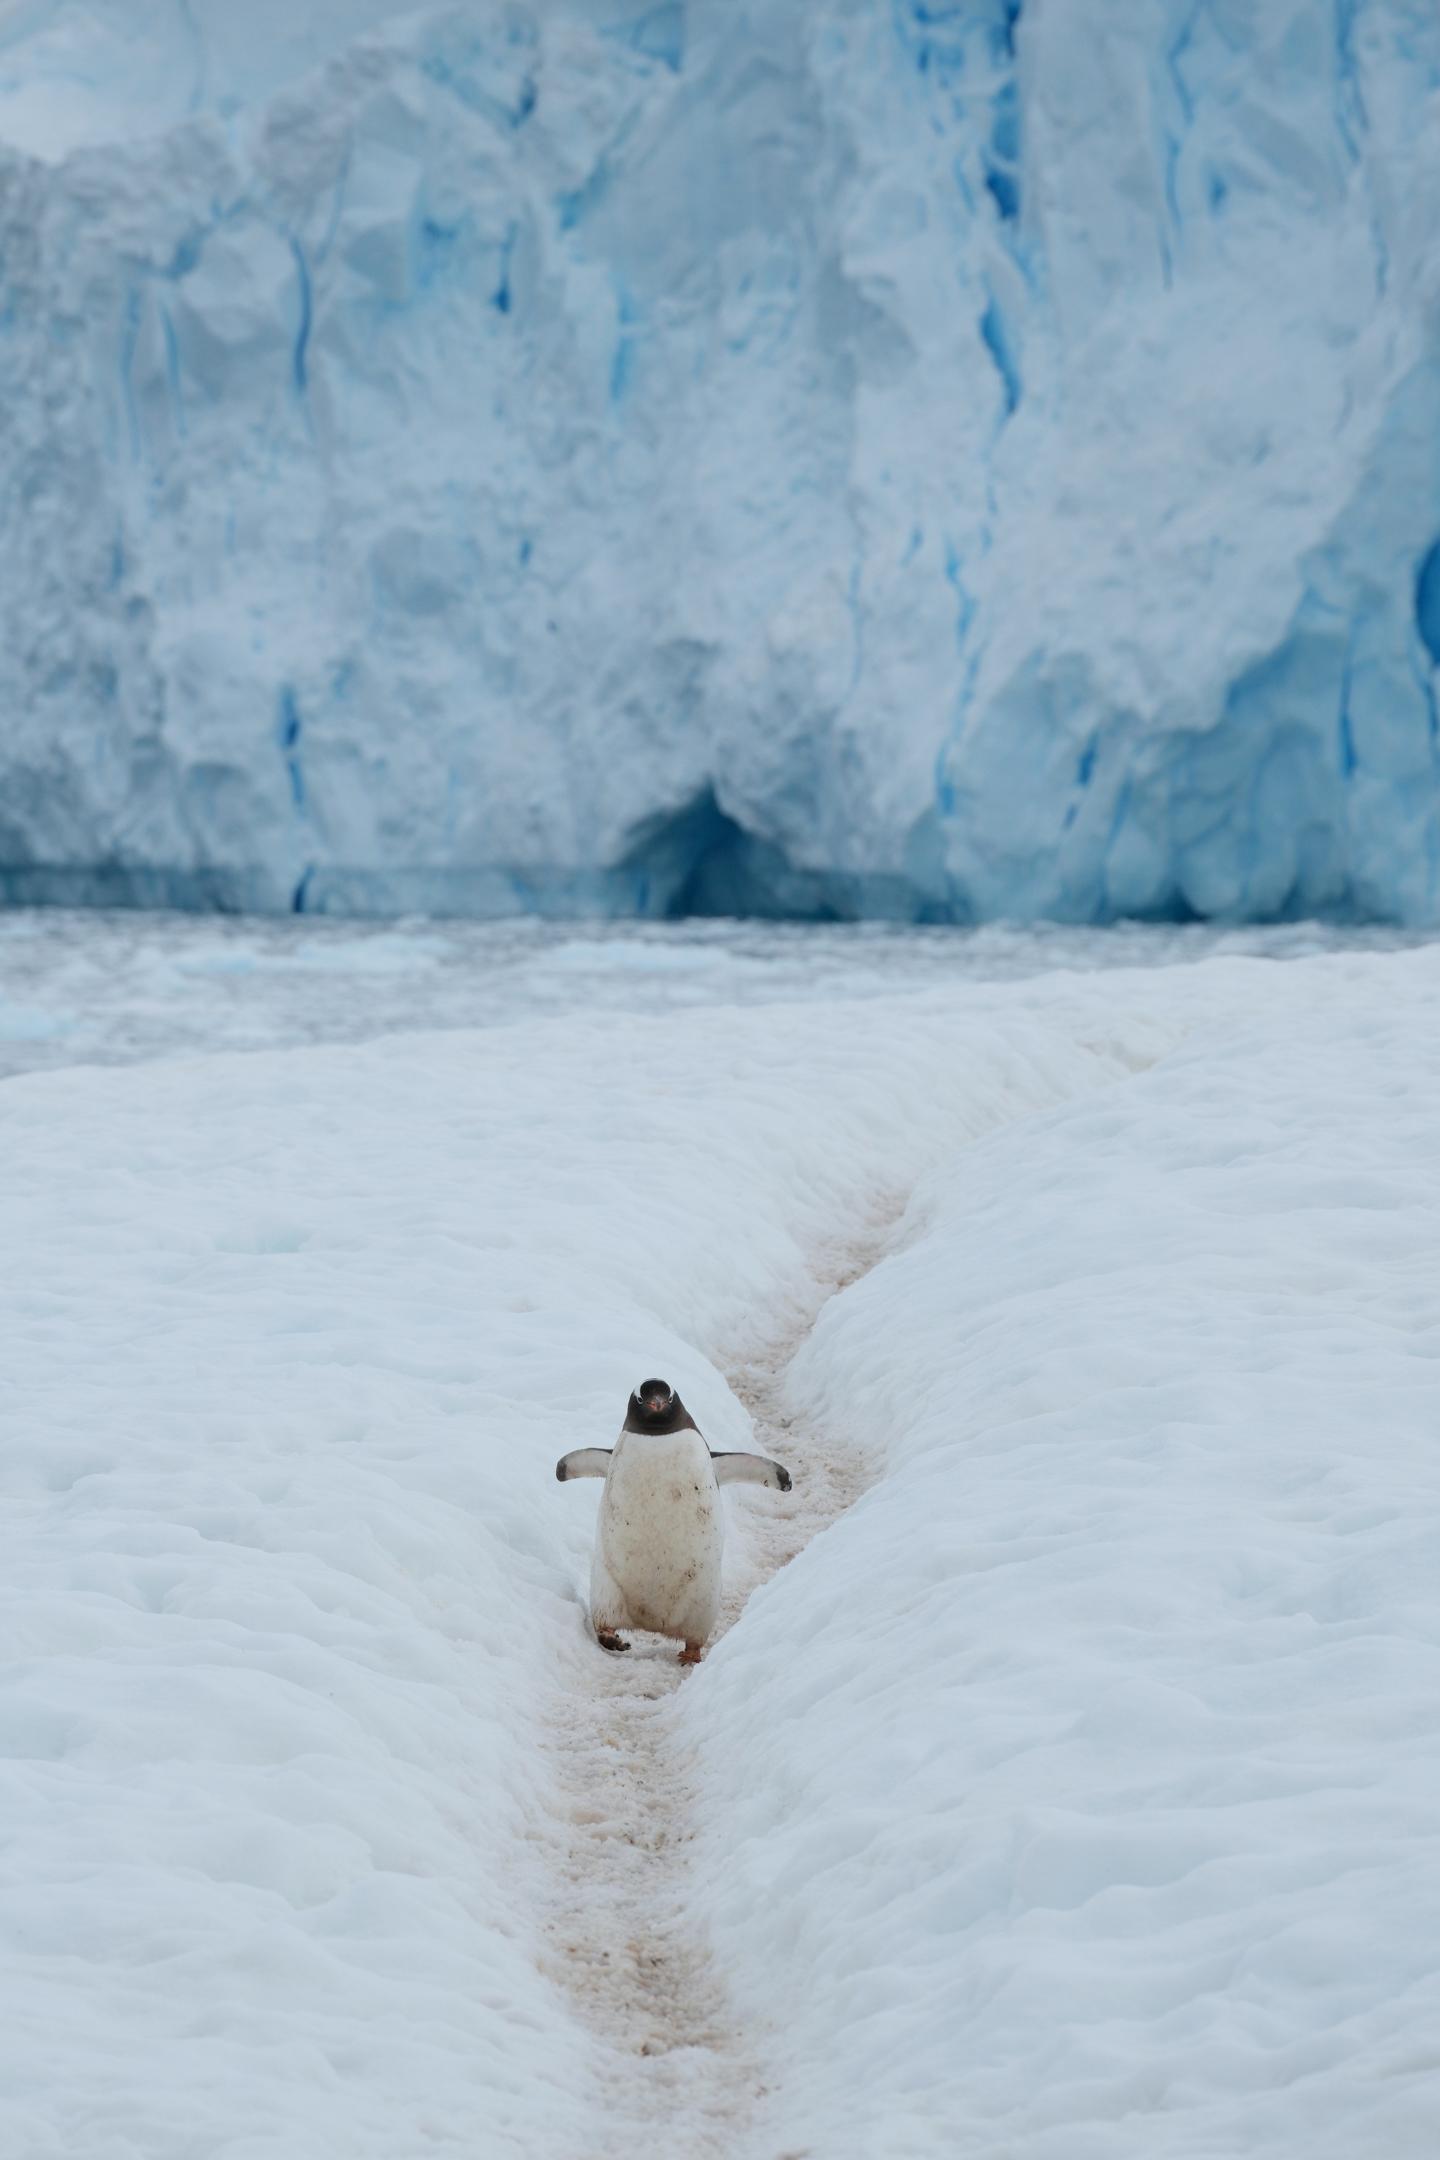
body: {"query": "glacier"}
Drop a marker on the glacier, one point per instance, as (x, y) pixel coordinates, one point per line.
(932, 461)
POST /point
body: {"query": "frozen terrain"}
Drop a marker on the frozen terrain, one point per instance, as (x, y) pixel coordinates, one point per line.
(1097, 1811)
(839, 456)
(82, 987)
(1070, 1795)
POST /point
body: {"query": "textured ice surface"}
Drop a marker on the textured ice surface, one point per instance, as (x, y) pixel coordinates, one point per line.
(911, 460)
(87, 988)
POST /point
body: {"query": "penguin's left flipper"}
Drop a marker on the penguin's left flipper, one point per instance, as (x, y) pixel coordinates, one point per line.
(749, 1470)
(584, 1462)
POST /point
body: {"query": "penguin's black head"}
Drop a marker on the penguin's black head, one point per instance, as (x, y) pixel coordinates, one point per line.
(655, 1407)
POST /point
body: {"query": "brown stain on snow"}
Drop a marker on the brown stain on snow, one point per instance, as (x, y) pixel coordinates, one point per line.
(677, 2068)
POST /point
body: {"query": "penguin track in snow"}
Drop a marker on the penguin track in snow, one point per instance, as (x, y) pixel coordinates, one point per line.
(678, 2071)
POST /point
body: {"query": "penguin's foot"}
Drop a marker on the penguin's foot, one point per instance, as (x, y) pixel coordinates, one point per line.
(692, 1653)
(610, 1642)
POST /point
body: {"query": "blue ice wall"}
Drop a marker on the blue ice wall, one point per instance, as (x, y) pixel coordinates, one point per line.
(830, 457)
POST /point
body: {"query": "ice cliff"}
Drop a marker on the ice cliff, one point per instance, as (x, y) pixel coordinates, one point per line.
(814, 456)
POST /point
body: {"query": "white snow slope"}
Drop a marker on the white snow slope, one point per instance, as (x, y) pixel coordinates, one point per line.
(936, 461)
(1074, 1795)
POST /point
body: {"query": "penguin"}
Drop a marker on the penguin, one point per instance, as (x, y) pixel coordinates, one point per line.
(660, 1532)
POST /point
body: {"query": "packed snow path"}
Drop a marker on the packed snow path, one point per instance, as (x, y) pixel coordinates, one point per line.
(622, 1932)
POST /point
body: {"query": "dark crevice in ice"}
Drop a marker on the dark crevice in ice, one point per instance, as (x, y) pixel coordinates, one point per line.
(700, 861)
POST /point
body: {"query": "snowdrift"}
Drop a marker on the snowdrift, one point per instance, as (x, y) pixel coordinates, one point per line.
(1094, 1809)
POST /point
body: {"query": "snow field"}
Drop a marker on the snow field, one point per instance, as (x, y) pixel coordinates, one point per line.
(291, 1344)
(1074, 1797)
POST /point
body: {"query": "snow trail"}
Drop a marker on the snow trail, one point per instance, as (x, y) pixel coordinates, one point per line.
(678, 2069)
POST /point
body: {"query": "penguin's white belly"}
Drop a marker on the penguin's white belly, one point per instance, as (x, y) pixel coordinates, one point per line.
(661, 1533)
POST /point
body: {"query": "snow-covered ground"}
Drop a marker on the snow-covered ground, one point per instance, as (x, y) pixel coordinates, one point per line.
(1097, 1815)
(1071, 1795)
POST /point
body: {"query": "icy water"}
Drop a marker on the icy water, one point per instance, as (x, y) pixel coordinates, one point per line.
(90, 988)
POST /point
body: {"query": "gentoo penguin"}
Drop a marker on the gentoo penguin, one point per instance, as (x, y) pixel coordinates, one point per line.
(660, 1532)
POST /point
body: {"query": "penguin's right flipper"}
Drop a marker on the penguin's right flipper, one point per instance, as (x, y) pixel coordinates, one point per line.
(584, 1462)
(749, 1470)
